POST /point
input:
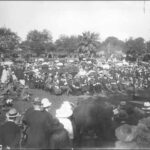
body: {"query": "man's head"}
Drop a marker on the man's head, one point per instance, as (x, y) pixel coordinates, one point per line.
(37, 104)
(12, 114)
(46, 104)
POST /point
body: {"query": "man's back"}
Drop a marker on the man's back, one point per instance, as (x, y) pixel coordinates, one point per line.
(40, 128)
(10, 134)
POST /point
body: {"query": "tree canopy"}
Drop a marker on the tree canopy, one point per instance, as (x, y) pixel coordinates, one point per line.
(66, 43)
(111, 45)
(38, 42)
(135, 48)
(89, 43)
(9, 40)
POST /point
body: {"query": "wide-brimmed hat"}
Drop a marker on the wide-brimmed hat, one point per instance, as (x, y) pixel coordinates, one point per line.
(126, 133)
(65, 110)
(45, 103)
(147, 104)
(12, 113)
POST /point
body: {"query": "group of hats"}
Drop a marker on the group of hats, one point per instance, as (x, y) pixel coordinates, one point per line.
(64, 111)
(44, 102)
(13, 113)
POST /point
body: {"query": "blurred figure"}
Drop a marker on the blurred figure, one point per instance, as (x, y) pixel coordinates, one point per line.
(63, 114)
(10, 132)
(126, 135)
(5, 74)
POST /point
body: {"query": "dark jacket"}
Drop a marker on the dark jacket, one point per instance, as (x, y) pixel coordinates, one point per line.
(40, 127)
(10, 134)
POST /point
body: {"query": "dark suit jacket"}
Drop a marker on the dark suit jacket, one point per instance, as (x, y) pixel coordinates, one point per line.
(10, 134)
(40, 126)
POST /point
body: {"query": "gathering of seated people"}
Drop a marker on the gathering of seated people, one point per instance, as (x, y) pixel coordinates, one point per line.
(86, 76)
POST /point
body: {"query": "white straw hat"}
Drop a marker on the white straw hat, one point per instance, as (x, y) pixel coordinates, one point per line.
(12, 113)
(65, 110)
(147, 104)
(46, 103)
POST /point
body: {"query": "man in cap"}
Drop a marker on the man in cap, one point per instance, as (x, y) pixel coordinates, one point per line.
(35, 107)
(10, 133)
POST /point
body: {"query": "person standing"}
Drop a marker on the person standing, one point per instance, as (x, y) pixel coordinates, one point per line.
(10, 132)
(59, 138)
(39, 125)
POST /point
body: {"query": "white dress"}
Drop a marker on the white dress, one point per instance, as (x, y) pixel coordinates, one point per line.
(62, 115)
(4, 76)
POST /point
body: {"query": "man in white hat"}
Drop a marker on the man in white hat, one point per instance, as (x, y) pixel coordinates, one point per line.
(46, 104)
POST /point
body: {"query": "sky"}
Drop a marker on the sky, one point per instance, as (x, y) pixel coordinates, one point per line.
(122, 19)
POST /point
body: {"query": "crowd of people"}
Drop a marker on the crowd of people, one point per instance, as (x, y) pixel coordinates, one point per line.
(86, 76)
(64, 76)
(36, 127)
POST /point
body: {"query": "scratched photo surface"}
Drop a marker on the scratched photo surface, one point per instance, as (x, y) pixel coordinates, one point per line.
(74, 75)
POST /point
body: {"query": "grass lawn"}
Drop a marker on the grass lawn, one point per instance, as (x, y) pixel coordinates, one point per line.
(56, 101)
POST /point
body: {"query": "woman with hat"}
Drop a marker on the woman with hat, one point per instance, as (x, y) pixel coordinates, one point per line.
(63, 114)
(10, 132)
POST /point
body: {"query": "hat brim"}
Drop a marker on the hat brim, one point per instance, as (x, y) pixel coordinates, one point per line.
(12, 116)
(47, 106)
